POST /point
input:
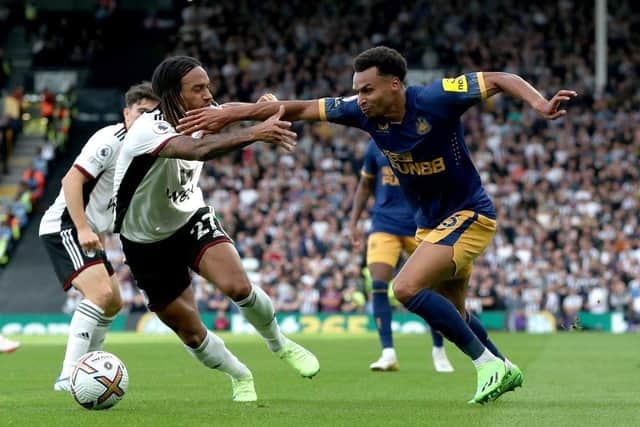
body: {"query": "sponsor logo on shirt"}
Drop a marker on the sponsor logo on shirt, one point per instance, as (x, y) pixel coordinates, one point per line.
(459, 84)
(180, 196)
(404, 164)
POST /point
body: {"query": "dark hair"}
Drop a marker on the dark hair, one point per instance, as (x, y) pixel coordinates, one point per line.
(167, 82)
(137, 93)
(388, 61)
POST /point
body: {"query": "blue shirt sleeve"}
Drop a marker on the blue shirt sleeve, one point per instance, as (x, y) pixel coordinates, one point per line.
(344, 111)
(370, 164)
(452, 97)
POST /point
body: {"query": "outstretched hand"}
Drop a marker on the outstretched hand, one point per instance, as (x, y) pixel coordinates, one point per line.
(210, 119)
(276, 131)
(267, 97)
(549, 109)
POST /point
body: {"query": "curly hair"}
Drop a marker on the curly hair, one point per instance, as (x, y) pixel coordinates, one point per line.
(388, 61)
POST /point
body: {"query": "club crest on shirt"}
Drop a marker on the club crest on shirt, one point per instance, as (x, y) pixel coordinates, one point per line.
(422, 126)
(382, 127)
(161, 128)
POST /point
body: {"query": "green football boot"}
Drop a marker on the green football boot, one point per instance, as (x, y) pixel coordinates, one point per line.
(243, 389)
(490, 377)
(512, 380)
(299, 358)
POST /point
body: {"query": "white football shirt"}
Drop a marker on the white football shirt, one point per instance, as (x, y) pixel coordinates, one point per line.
(155, 196)
(97, 162)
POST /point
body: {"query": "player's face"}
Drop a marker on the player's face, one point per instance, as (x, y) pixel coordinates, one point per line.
(136, 110)
(195, 89)
(375, 92)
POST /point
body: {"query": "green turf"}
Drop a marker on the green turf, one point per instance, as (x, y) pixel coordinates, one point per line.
(571, 379)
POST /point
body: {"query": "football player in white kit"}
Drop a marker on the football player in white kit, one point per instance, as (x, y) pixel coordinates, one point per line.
(72, 228)
(166, 228)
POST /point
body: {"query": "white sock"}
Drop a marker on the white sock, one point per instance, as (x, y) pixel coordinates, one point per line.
(97, 340)
(508, 363)
(258, 309)
(389, 353)
(485, 357)
(83, 325)
(213, 354)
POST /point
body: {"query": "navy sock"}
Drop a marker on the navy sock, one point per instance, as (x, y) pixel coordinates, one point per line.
(438, 340)
(382, 312)
(481, 333)
(442, 315)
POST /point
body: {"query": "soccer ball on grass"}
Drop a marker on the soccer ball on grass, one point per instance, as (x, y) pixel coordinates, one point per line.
(99, 380)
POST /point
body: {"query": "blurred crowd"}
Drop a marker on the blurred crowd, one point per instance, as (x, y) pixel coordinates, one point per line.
(55, 115)
(567, 192)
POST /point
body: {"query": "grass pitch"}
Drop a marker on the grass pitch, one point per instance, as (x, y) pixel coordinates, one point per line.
(571, 379)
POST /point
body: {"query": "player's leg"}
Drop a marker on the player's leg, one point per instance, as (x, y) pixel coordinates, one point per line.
(436, 263)
(94, 284)
(438, 353)
(441, 362)
(87, 272)
(220, 264)
(414, 286)
(182, 316)
(161, 271)
(381, 275)
(514, 377)
(212, 254)
(110, 312)
(383, 252)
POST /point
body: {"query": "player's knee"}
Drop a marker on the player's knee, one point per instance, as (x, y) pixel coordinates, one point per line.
(403, 290)
(115, 305)
(236, 290)
(102, 296)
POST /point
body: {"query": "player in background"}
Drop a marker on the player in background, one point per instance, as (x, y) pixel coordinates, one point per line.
(392, 231)
(418, 128)
(166, 228)
(7, 345)
(72, 232)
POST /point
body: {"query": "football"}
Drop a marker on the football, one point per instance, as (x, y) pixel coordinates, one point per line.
(99, 380)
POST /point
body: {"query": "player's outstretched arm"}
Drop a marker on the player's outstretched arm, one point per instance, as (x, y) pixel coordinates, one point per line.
(516, 86)
(213, 119)
(274, 130)
(72, 185)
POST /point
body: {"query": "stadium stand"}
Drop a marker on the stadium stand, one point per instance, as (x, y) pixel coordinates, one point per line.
(567, 192)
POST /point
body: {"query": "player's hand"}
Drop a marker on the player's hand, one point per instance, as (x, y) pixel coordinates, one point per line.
(268, 97)
(276, 131)
(355, 236)
(549, 109)
(89, 241)
(210, 119)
